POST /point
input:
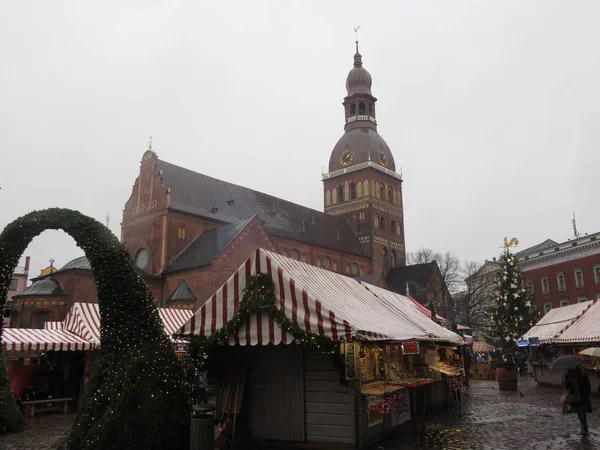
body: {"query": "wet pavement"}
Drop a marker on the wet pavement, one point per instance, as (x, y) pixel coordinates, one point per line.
(490, 419)
(45, 432)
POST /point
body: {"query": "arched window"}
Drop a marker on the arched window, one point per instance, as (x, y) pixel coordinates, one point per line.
(294, 254)
(361, 108)
(358, 225)
(386, 258)
(381, 190)
(382, 223)
(353, 109)
(376, 221)
(41, 317)
(393, 227)
(361, 215)
(340, 194)
(352, 191)
(366, 188)
(328, 197)
(390, 195)
(394, 258)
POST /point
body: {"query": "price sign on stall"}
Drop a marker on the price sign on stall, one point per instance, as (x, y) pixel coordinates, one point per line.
(410, 348)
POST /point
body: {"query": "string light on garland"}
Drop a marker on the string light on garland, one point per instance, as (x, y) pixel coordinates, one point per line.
(389, 403)
(136, 381)
(259, 298)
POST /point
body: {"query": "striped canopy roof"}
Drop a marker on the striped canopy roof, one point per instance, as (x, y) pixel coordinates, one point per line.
(319, 301)
(79, 331)
(39, 340)
(550, 327)
(584, 328)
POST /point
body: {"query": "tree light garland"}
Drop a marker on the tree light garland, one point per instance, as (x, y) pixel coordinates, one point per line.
(136, 397)
(259, 297)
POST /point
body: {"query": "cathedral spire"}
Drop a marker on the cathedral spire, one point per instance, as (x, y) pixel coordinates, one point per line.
(357, 55)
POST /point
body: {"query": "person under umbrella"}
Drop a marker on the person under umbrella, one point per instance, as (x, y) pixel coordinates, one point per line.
(577, 385)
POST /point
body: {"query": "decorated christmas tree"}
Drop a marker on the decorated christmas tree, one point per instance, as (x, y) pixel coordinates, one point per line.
(512, 313)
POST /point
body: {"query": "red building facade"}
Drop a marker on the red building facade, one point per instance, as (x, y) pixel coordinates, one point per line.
(562, 274)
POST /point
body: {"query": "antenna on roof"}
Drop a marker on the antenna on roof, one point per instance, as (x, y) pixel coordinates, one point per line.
(575, 232)
(312, 222)
(338, 235)
(107, 218)
(303, 227)
(150, 143)
(230, 201)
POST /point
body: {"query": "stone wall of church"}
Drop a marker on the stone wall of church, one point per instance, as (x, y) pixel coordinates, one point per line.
(340, 262)
(182, 230)
(204, 281)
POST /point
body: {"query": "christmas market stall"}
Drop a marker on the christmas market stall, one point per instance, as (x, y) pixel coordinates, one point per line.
(482, 368)
(581, 333)
(56, 361)
(307, 356)
(544, 340)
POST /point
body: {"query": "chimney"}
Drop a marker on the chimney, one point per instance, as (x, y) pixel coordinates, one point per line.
(27, 261)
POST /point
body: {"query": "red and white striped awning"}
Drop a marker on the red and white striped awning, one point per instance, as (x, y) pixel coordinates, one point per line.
(38, 340)
(80, 330)
(84, 319)
(53, 326)
(319, 301)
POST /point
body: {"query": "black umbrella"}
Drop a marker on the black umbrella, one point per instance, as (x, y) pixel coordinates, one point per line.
(566, 362)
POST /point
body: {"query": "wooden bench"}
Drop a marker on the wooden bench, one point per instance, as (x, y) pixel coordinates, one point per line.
(59, 404)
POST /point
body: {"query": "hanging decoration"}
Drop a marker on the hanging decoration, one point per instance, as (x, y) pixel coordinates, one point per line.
(136, 381)
(259, 297)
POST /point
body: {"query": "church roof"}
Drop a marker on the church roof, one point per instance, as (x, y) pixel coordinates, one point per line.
(78, 263)
(416, 273)
(206, 247)
(204, 196)
(183, 292)
(46, 286)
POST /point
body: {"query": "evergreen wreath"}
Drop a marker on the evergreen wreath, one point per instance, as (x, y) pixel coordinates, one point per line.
(259, 297)
(136, 396)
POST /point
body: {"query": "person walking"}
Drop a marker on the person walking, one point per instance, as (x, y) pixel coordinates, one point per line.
(578, 389)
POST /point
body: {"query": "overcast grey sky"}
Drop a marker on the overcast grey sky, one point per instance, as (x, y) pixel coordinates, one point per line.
(490, 108)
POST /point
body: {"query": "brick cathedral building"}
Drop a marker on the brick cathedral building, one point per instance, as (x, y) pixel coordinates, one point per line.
(188, 232)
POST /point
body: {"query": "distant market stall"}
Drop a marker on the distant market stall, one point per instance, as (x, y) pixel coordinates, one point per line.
(64, 347)
(328, 360)
(562, 331)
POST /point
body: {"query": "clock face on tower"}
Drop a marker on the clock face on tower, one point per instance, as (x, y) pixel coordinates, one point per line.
(347, 158)
(383, 159)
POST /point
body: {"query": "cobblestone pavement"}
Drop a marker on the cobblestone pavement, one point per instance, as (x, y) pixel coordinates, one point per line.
(43, 433)
(490, 419)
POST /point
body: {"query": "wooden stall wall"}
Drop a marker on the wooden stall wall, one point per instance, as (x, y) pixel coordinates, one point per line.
(329, 404)
(275, 393)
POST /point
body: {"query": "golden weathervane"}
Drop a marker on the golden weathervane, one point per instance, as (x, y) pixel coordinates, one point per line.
(356, 28)
(512, 243)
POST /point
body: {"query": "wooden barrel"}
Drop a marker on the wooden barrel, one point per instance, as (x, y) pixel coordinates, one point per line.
(507, 378)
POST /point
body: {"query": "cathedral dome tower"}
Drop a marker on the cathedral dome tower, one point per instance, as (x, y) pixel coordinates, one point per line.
(361, 142)
(362, 183)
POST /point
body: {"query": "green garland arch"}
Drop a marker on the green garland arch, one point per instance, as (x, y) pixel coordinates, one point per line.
(136, 396)
(259, 297)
